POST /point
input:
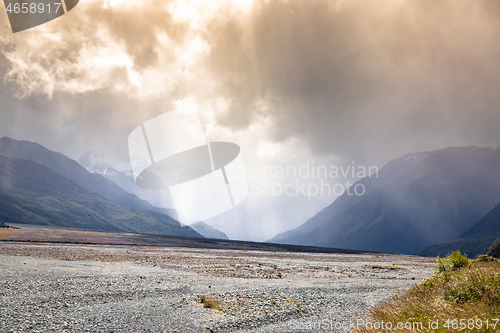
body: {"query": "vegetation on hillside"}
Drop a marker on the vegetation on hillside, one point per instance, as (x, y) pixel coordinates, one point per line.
(494, 249)
(462, 295)
(31, 193)
(472, 246)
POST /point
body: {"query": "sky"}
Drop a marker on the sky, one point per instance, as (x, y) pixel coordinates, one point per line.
(293, 83)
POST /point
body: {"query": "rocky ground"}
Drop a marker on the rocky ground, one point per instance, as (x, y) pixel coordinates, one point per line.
(91, 288)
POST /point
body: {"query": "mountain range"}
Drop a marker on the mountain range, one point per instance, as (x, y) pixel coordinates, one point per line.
(413, 201)
(124, 179)
(71, 169)
(427, 203)
(31, 193)
(100, 182)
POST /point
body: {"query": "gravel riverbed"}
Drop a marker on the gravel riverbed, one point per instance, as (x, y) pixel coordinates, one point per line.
(90, 288)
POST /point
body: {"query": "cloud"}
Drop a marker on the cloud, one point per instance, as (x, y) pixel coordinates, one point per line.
(363, 78)
(125, 48)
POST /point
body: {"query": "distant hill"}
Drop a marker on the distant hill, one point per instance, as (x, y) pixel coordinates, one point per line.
(31, 193)
(207, 231)
(472, 246)
(418, 199)
(69, 168)
(494, 249)
(473, 242)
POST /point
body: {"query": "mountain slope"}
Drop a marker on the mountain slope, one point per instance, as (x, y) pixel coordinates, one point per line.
(494, 249)
(473, 242)
(207, 231)
(31, 193)
(489, 224)
(125, 180)
(415, 200)
(69, 168)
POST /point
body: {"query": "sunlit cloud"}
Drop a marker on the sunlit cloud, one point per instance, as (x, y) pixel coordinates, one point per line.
(319, 72)
(93, 49)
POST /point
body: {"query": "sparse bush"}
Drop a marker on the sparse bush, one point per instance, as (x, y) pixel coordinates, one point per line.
(210, 302)
(441, 265)
(451, 262)
(484, 257)
(458, 260)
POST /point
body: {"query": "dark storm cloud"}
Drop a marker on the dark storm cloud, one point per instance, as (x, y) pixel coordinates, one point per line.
(364, 78)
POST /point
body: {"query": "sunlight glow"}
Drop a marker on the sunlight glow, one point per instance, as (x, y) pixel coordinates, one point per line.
(244, 5)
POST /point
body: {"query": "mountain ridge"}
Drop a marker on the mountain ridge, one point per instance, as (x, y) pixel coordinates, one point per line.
(473, 241)
(31, 193)
(208, 231)
(71, 169)
(432, 197)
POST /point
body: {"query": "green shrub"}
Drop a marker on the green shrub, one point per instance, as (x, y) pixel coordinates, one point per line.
(451, 262)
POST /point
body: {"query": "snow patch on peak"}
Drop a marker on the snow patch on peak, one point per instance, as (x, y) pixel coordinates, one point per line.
(98, 163)
(414, 156)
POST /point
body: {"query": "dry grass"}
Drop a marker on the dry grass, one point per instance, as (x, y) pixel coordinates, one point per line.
(470, 293)
(391, 268)
(5, 233)
(210, 301)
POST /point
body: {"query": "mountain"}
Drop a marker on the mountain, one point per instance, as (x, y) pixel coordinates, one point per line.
(473, 242)
(489, 224)
(494, 249)
(125, 180)
(31, 193)
(69, 168)
(207, 231)
(418, 199)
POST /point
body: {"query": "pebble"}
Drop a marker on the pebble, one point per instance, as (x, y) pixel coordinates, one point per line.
(62, 288)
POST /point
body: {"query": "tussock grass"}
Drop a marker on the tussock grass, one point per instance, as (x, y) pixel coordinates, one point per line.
(210, 301)
(460, 289)
(391, 268)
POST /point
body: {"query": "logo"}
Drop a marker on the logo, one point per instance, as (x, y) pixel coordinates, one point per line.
(205, 179)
